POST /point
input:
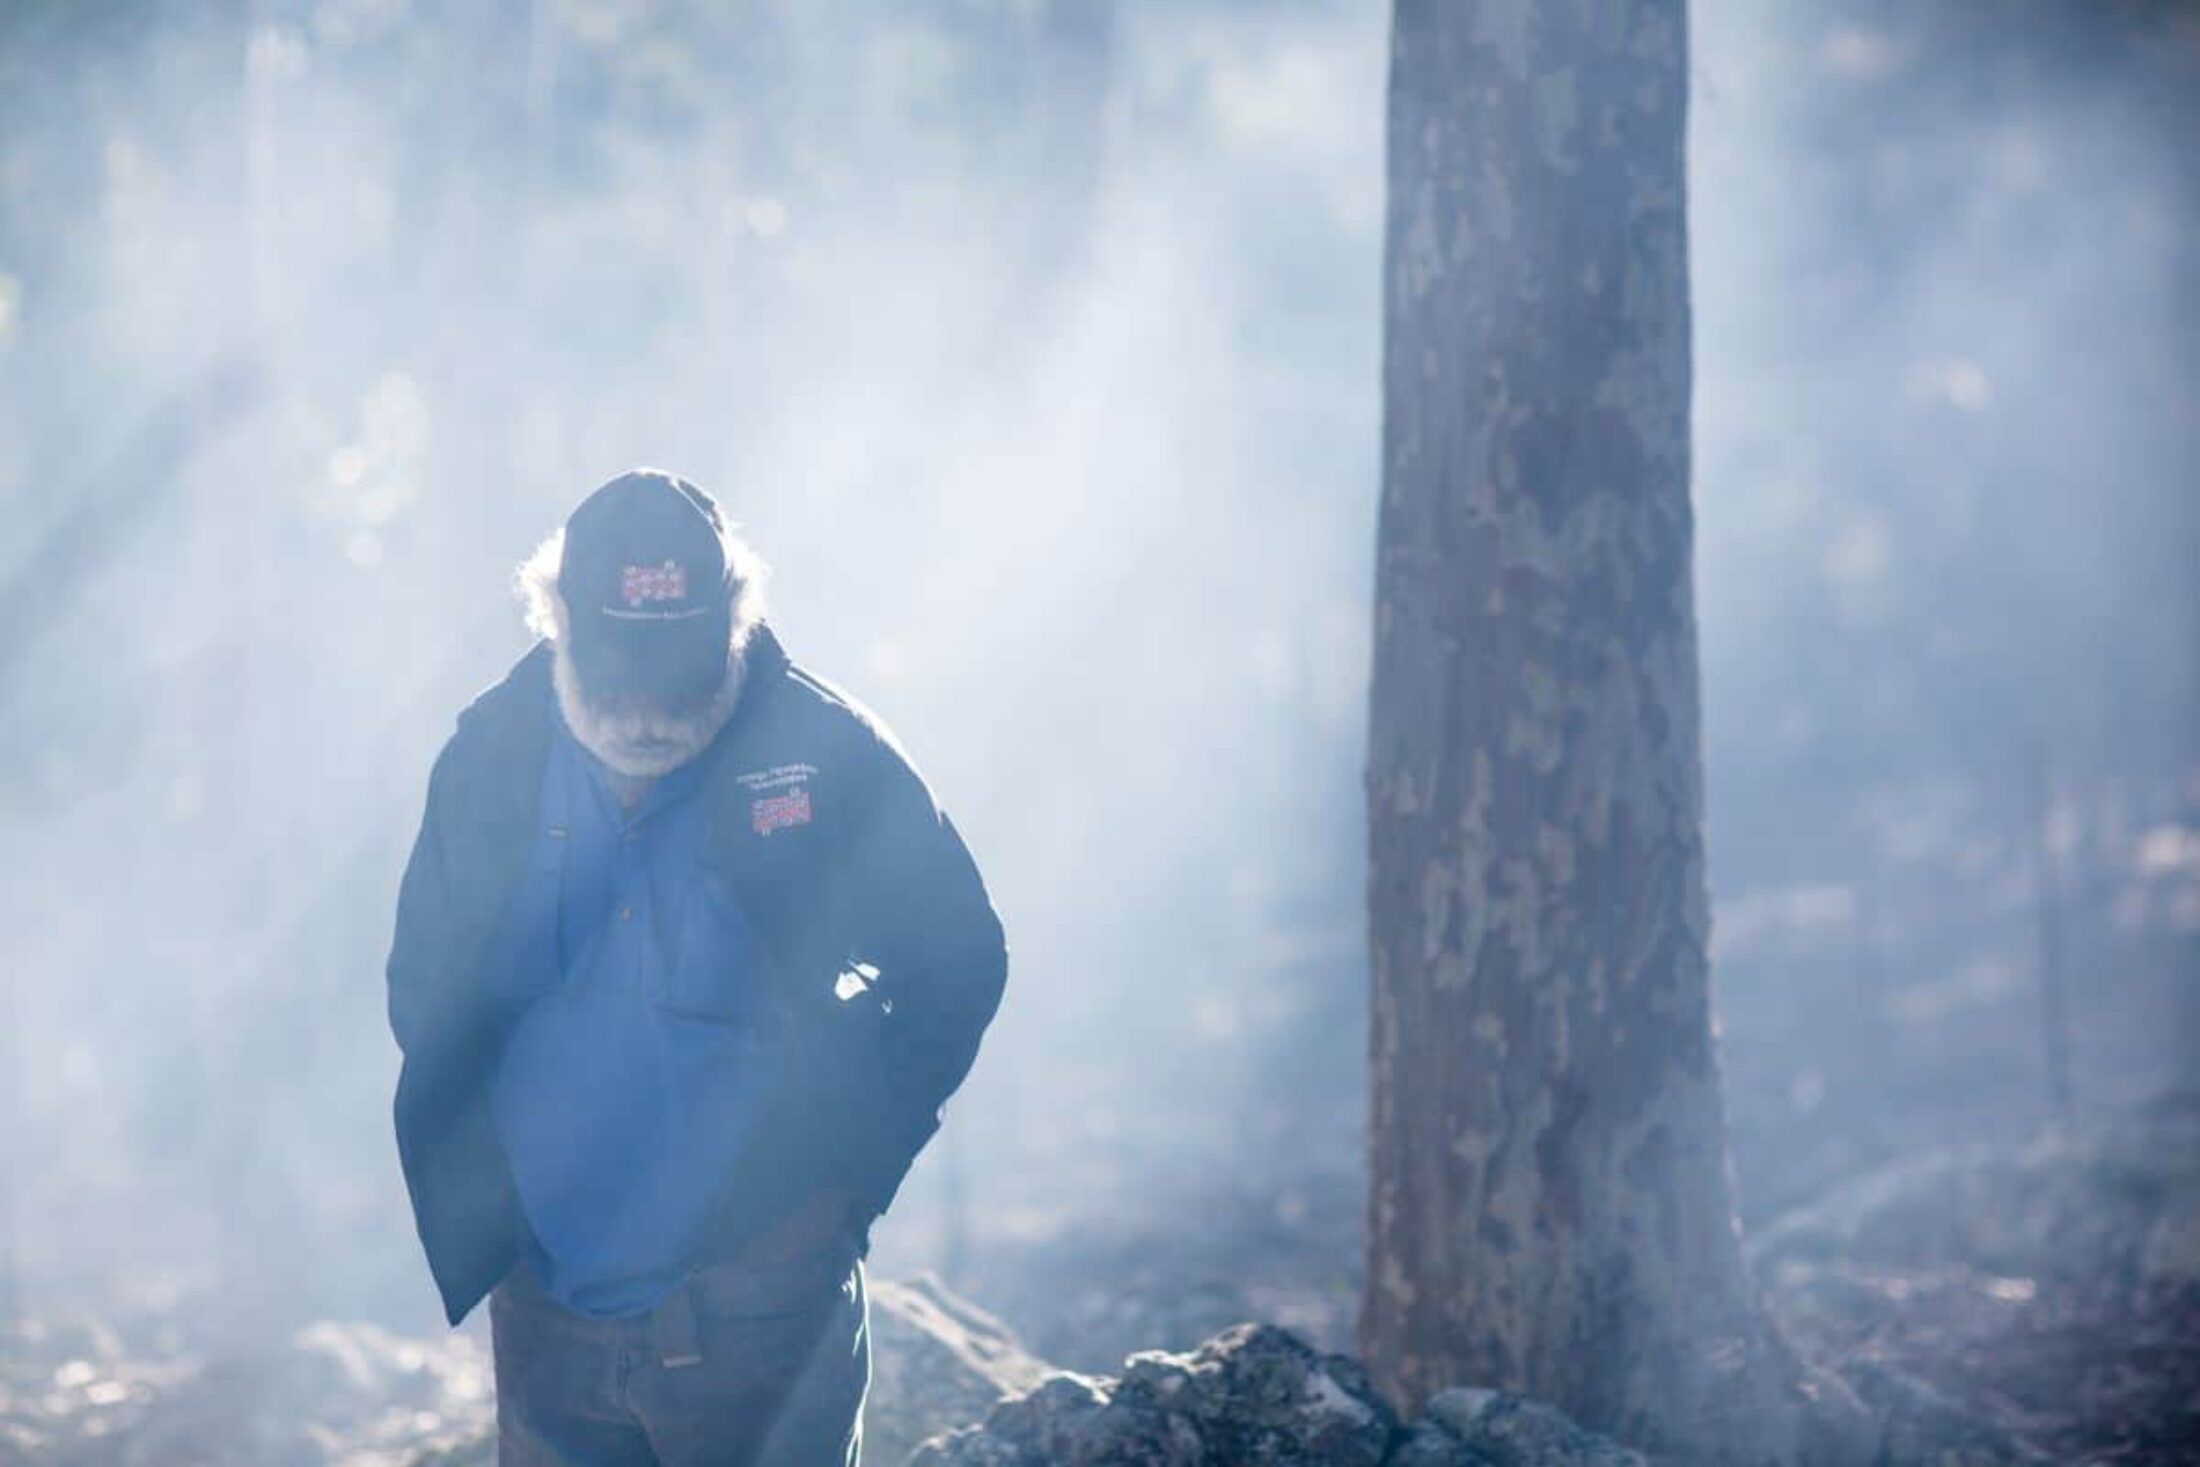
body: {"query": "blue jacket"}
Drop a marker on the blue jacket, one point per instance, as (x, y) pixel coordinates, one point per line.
(838, 858)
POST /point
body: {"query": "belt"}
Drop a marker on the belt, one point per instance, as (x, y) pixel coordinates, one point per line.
(752, 1283)
(780, 1287)
(672, 1332)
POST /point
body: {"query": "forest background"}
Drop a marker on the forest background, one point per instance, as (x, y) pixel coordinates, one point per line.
(1037, 346)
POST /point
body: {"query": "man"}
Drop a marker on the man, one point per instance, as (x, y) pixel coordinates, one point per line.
(686, 962)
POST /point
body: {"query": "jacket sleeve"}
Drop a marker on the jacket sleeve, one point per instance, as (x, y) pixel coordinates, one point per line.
(423, 900)
(923, 921)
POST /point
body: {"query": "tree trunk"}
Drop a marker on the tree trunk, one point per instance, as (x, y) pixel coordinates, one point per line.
(1550, 1210)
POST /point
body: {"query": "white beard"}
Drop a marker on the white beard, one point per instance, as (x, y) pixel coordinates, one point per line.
(636, 739)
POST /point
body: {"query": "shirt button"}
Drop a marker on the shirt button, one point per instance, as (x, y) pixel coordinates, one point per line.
(633, 836)
(626, 914)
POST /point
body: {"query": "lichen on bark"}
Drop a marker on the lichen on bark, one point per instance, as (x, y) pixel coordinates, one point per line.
(1549, 1205)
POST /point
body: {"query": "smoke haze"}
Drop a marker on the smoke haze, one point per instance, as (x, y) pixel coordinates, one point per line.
(1036, 346)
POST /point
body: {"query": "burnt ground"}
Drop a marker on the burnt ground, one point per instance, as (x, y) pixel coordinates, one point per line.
(2083, 1377)
(2004, 1301)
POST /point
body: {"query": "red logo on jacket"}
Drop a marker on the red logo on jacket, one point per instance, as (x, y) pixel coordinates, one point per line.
(780, 812)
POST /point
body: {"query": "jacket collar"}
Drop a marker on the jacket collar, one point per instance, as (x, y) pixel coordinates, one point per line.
(767, 659)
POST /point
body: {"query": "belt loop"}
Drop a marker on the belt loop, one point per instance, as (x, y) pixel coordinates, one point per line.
(672, 1327)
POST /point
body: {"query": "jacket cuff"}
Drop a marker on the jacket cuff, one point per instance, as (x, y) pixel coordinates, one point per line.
(893, 1137)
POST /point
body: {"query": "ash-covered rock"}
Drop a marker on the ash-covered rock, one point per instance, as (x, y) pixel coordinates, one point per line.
(1426, 1444)
(1257, 1394)
(937, 1362)
(1074, 1421)
(1251, 1394)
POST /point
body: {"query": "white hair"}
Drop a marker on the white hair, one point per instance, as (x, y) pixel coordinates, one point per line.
(630, 737)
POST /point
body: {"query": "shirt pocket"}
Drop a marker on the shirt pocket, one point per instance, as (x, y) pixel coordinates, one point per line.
(716, 967)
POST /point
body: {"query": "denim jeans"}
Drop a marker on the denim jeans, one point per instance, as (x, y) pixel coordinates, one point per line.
(743, 1366)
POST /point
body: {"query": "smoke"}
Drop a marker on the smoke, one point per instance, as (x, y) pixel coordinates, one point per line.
(1036, 346)
(1946, 531)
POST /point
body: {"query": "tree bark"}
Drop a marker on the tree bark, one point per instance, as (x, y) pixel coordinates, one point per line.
(1550, 1209)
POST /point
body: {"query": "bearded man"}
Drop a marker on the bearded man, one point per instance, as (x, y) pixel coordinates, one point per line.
(686, 961)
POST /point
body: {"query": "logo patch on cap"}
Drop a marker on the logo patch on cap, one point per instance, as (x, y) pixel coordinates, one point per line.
(641, 584)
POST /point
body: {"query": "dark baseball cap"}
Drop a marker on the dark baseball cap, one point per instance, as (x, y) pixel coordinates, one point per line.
(647, 590)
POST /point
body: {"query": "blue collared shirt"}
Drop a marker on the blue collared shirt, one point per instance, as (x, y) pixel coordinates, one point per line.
(629, 1076)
